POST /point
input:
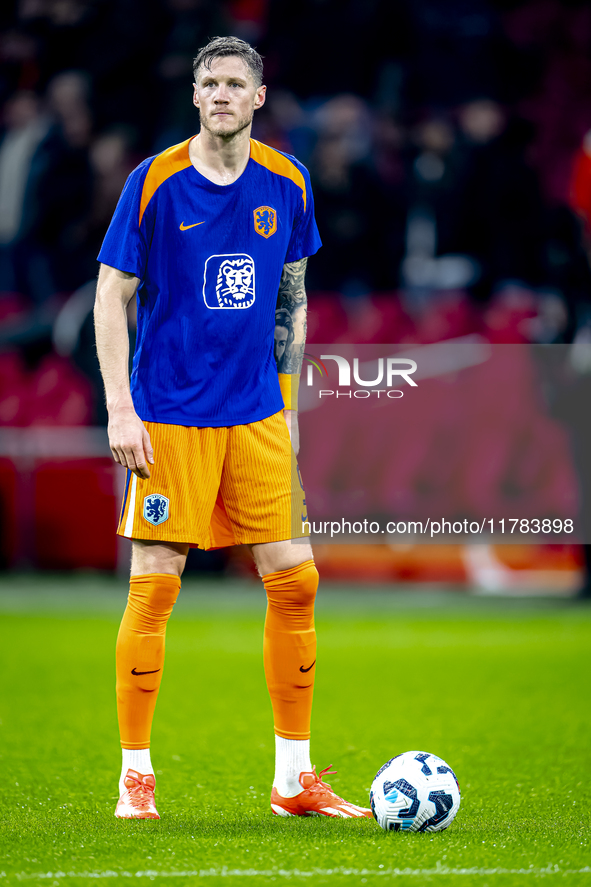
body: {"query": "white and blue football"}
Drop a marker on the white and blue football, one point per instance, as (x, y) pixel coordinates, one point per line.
(415, 792)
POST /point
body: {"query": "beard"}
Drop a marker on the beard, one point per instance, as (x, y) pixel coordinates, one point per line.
(240, 124)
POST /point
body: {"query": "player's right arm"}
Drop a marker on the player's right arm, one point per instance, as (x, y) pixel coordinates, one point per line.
(128, 437)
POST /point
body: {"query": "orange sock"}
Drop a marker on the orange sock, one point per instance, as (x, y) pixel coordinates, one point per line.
(140, 654)
(289, 647)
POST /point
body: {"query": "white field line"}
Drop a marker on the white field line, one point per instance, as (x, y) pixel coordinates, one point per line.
(299, 873)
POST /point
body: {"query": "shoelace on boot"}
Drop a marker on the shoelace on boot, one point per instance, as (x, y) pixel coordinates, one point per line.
(139, 794)
(319, 784)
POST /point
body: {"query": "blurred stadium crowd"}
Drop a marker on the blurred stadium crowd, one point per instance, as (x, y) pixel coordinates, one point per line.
(442, 139)
(447, 144)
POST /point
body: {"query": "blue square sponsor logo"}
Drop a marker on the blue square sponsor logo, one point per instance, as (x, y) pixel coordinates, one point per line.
(228, 281)
(156, 509)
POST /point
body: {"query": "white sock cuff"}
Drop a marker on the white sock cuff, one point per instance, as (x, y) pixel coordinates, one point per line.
(137, 759)
(292, 757)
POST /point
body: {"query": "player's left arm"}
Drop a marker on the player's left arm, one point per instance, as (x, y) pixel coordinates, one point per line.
(293, 300)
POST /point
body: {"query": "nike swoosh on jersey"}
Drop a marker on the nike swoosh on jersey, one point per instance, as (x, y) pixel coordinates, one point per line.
(133, 671)
(184, 227)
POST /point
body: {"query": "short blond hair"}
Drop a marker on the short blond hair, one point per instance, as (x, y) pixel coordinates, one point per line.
(227, 46)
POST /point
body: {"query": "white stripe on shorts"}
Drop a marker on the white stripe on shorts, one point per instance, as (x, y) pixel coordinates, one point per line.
(131, 511)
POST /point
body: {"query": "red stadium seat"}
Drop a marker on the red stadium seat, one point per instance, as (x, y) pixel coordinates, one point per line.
(8, 512)
(54, 394)
(327, 318)
(75, 514)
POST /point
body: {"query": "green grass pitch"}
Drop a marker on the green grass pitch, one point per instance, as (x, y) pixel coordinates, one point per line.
(500, 689)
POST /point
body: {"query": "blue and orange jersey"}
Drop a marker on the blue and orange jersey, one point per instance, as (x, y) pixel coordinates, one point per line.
(209, 258)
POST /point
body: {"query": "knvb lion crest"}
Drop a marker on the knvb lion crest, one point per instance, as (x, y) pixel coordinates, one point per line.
(229, 281)
(265, 221)
(156, 509)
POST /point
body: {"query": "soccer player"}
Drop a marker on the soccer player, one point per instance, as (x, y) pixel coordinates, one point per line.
(213, 235)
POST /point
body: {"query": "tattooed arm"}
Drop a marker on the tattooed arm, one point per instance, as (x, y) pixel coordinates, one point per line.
(292, 309)
(290, 331)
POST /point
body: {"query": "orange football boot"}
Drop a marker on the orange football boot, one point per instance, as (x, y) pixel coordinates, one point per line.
(316, 799)
(137, 801)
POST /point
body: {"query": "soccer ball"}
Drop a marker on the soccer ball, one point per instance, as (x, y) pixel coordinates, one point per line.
(415, 792)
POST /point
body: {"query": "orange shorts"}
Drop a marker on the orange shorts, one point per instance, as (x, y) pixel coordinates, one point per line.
(213, 487)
